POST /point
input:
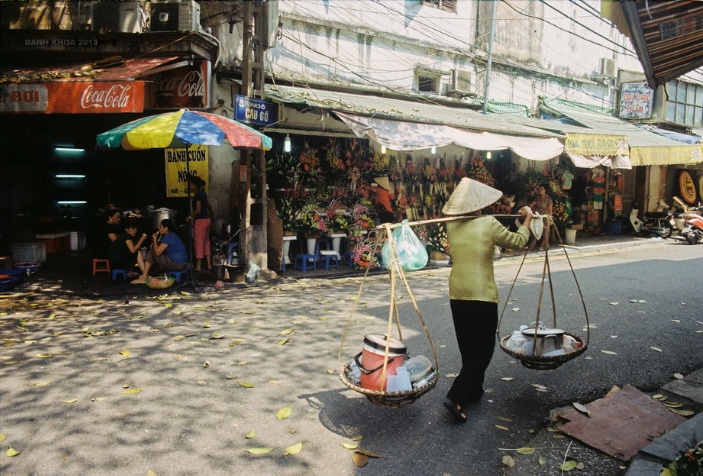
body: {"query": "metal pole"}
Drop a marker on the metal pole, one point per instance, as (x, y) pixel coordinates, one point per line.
(489, 62)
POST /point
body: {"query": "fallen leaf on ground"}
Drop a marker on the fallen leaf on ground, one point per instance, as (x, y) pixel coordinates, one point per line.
(131, 391)
(369, 453)
(655, 348)
(354, 438)
(246, 384)
(260, 451)
(507, 379)
(609, 352)
(360, 460)
(284, 413)
(2, 437)
(251, 434)
(350, 446)
(72, 400)
(501, 427)
(452, 375)
(526, 450)
(12, 452)
(294, 449)
(678, 376)
(582, 409)
(286, 332)
(685, 413)
(568, 465)
(508, 461)
(125, 353)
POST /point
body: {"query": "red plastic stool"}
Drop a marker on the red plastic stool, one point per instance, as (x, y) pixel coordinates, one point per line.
(101, 266)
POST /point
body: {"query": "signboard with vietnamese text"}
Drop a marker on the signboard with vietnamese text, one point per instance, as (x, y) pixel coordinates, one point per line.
(596, 144)
(176, 172)
(72, 97)
(636, 101)
(254, 111)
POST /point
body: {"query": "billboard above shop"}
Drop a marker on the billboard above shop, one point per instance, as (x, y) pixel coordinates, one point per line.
(636, 101)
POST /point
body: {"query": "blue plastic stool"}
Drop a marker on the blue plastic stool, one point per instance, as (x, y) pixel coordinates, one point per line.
(119, 272)
(178, 274)
(331, 258)
(302, 263)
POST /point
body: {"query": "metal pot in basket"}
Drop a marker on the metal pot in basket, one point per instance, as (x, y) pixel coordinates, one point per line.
(156, 216)
(545, 340)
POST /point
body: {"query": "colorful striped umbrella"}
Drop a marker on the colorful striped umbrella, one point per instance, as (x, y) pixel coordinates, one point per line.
(182, 129)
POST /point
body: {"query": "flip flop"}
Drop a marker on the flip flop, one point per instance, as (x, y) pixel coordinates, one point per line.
(457, 413)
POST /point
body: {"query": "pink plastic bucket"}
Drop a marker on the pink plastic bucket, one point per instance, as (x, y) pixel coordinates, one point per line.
(372, 357)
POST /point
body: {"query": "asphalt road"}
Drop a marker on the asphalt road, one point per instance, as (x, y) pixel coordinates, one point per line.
(187, 384)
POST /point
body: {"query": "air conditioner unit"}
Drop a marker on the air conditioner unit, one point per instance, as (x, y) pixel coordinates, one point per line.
(175, 16)
(462, 83)
(606, 67)
(122, 17)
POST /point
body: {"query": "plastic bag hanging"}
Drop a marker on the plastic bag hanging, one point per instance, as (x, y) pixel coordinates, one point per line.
(412, 254)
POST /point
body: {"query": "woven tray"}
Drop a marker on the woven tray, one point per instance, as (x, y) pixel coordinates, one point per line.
(544, 363)
(160, 283)
(387, 399)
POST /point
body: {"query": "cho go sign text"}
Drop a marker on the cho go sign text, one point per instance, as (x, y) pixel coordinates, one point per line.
(176, 172)
(254, 111)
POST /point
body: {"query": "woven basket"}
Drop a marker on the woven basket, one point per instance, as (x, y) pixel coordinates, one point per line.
(544, 363)
(160, 283)
(387, 399)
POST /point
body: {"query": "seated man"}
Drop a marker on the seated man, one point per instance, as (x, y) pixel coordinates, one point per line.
(167, 252)
(125, 248)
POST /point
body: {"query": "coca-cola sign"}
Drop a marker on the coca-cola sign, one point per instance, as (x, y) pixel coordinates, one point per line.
(180, 87)
(113, 96)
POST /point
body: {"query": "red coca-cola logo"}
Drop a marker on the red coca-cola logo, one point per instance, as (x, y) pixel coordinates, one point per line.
(114, 97)
(179, 88)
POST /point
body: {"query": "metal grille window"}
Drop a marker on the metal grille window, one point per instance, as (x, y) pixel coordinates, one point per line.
(685, 103)
(449, 5)
(426, 84)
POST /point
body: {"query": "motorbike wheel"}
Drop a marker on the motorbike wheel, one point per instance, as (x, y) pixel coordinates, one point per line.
(667, 230)
(691, 239)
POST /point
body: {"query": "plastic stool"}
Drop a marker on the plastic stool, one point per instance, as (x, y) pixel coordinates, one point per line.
(117, 272)
(178, 274)
(329, 256)
(101, 266)
(302, 263)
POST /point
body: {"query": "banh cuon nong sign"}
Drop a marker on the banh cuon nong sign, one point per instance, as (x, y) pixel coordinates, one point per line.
(176, 172)
(596, 144)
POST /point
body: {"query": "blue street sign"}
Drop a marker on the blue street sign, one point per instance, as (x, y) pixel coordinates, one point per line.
(254, 111)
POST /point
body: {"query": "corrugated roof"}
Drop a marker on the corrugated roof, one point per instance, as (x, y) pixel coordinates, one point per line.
(402, 110)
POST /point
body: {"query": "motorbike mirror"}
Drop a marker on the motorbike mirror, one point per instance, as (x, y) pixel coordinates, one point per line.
(680, 203)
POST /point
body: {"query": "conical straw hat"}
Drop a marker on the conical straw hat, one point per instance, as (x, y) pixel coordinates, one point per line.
(470, 196)
(383, 182)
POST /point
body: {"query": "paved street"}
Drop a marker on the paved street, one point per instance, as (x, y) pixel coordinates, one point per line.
(184, 384)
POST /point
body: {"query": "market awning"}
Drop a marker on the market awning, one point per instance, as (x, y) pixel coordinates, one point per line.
(402, 135)
(110, 87)
(646, 148)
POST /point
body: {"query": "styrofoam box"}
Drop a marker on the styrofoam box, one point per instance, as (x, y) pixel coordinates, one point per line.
(28, 252)
(77, 240)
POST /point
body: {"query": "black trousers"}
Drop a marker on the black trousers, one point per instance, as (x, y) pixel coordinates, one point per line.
(475, 324)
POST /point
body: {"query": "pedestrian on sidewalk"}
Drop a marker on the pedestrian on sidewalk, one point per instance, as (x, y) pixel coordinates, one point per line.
(473, 293)
(202, 222)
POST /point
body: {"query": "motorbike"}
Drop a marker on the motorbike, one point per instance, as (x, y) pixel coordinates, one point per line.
(692, 230)
(661, 224)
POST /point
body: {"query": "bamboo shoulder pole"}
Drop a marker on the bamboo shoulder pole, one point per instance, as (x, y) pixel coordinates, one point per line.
(446, 219)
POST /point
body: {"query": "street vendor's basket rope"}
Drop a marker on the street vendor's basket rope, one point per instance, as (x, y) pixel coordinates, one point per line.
(546, 362)
(381, 398)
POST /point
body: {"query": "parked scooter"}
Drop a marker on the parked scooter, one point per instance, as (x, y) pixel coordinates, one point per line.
(693, 223)
(661, 224)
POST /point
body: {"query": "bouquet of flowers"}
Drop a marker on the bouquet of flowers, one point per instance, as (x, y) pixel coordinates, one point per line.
(689, 463)
(309, 220)
(287, 214)
(364, 256)
(340, 220)
(479, 172)
(437, 239)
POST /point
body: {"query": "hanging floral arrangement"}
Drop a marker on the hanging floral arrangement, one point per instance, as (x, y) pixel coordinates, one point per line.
(478, 171)
(437, 239)
(364, 255)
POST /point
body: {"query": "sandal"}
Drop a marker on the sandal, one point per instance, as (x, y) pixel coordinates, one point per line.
(456, 411)
(139, 281)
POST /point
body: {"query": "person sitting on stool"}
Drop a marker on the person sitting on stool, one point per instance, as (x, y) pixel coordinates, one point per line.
(124, 250)
(382, 199)
(167, 251)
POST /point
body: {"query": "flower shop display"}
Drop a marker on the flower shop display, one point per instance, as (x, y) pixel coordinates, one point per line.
(438, 241)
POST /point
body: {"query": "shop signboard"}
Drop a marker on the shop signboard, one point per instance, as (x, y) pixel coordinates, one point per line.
(72, 97)
(255, 111)
(181, 87)
(176, 172)
(636, 101)
(596, 144)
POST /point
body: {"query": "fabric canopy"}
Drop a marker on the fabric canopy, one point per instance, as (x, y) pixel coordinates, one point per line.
(403, 135)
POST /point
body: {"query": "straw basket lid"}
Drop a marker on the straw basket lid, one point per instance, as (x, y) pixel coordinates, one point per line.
(383, 182)
(470, 196)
